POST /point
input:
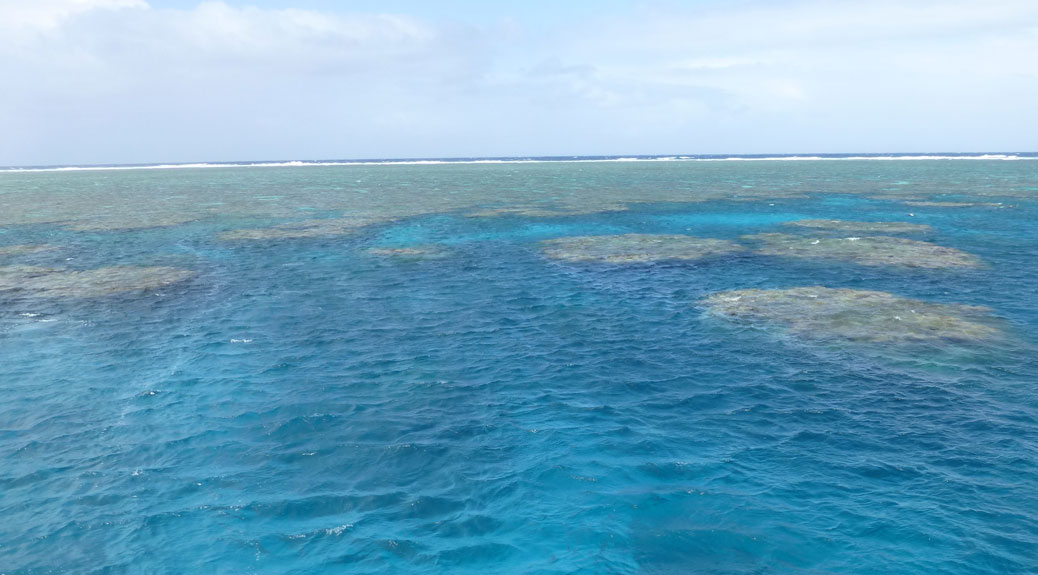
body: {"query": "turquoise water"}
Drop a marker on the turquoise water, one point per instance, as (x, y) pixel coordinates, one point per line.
(305, 405)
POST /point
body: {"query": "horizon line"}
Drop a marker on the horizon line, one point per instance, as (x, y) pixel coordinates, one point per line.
(811, 156)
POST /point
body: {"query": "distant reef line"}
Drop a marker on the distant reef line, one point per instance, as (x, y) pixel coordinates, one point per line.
(532, 160)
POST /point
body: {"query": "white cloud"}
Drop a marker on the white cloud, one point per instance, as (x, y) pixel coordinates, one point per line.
(119, 80)
(22, 17)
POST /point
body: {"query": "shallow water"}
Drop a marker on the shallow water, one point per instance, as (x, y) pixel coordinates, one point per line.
(321, 405)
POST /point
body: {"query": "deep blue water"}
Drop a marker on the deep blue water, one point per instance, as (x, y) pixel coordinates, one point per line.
(305, 406)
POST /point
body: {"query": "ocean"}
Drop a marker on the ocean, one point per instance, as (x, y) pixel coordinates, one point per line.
(648, 365)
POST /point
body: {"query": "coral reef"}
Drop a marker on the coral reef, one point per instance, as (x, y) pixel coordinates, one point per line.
(941, 204)
(123, 222)
(636, 248)
(52, 282)
(328, 227)
(410, 253)
(862, 227)
(24, 249)
(854, 315)
(533, 211)
(870, 251)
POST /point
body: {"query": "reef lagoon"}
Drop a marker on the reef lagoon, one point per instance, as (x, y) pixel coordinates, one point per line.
(787, 365)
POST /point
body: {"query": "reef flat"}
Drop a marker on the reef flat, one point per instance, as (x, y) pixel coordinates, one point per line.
(314, 228)
(862, 227)
(24, 249)
(869, 251)
(637, 248)
(54, 282)
(941, 204)
(410, 252)
(534, 211)
(128, 223)
(854, 315)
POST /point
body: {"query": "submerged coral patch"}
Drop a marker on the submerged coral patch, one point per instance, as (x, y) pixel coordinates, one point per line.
(943, 204)
(305, 229)
(636, 248)
(127, 222)
(546, 212)
(862, 227)
(854, 315)
(53, 282)
(23, 249)
(870, 251)
(412, 252)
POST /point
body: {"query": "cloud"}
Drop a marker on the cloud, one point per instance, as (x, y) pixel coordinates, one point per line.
(21, 17)
(96, 83)
(122, 80)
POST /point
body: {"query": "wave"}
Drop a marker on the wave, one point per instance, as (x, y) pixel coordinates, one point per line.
(527, 160)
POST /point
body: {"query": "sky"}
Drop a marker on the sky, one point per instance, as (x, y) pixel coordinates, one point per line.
(151, 81)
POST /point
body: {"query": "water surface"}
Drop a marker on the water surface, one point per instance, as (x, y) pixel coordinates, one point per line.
(429, 393)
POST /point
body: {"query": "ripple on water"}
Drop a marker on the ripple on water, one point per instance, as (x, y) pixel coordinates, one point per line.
(315, 407)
